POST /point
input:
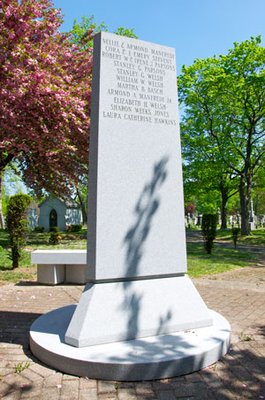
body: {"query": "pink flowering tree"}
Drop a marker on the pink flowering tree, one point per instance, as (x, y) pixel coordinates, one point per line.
(45, 89)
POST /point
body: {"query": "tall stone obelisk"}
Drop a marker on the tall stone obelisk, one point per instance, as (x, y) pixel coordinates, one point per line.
(139, 317)
(137, 282)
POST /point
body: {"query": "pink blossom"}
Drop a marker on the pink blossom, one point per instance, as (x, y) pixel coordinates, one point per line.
(45, 88)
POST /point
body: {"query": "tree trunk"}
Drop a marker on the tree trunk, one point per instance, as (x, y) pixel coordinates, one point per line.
(4, 161)
(15, 257)
(245, 196)
(225, 197)
(83, 206)
(2, 221)
(224, 200)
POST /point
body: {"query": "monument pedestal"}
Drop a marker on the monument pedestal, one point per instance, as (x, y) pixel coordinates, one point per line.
(132, 331)
(120, 311)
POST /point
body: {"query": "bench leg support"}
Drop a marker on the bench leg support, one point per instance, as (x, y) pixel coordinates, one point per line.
(50, 274)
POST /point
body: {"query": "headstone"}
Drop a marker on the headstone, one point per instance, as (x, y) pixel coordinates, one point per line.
(139, 317)
(199, 220)
(252, 216)
(137, 282)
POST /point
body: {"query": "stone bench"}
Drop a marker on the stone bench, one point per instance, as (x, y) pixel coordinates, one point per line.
(57, 266)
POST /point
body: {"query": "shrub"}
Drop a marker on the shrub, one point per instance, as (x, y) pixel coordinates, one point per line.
(209, 224)
(39, 229)
(55, 237)
(74, 228)
(235, 234)
(17, 225)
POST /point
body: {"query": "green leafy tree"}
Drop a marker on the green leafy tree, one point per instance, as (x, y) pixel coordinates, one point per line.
(81, 191)
(258, 194)
(11, 184)
(81, 31)
(224, 101)
(126, 32)
(205, 174)
(209, 224)
(2, 204)
(235, 234)
(82, 34)
(17, 225)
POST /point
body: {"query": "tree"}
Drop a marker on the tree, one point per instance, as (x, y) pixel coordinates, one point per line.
(126, 32)
(209, 223)
(81, 191)
(258, 195)
(81, 31)
(2, 221)
(81, 35)
(205, 173)
(225, 102)
(45, 89)
(17, 225)
(11, 184)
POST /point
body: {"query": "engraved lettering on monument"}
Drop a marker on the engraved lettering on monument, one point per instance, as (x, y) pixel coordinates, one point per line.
(138, 87)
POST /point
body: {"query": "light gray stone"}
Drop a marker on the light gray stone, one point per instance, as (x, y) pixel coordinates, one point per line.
(136, 212)
(50, 274)
(75, 273)
(139, 316)
(57, 266)
(136, 224)
(110, 312)
(155, 357)
(58, 257)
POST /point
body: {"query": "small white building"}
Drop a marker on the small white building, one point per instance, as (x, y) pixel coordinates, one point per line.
(56, 212)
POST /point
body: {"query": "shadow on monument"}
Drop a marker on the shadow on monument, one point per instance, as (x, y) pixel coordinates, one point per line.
(145, 210)
(174, 356)
(135, 241)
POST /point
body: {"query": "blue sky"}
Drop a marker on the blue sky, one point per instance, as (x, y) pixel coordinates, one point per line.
(195, 28)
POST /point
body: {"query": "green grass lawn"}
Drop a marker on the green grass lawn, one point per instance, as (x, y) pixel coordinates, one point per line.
(257, 237)
(26, 271)
(199, 263)
(222, 259)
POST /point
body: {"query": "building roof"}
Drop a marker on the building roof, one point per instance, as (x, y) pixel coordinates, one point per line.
(69, 203)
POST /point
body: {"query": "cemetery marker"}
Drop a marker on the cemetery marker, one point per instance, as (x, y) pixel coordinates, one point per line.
(137, 284)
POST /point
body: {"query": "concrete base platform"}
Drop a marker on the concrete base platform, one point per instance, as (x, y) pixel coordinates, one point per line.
(149, 358)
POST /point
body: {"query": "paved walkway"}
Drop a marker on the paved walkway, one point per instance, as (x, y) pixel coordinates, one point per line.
(238, 295)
